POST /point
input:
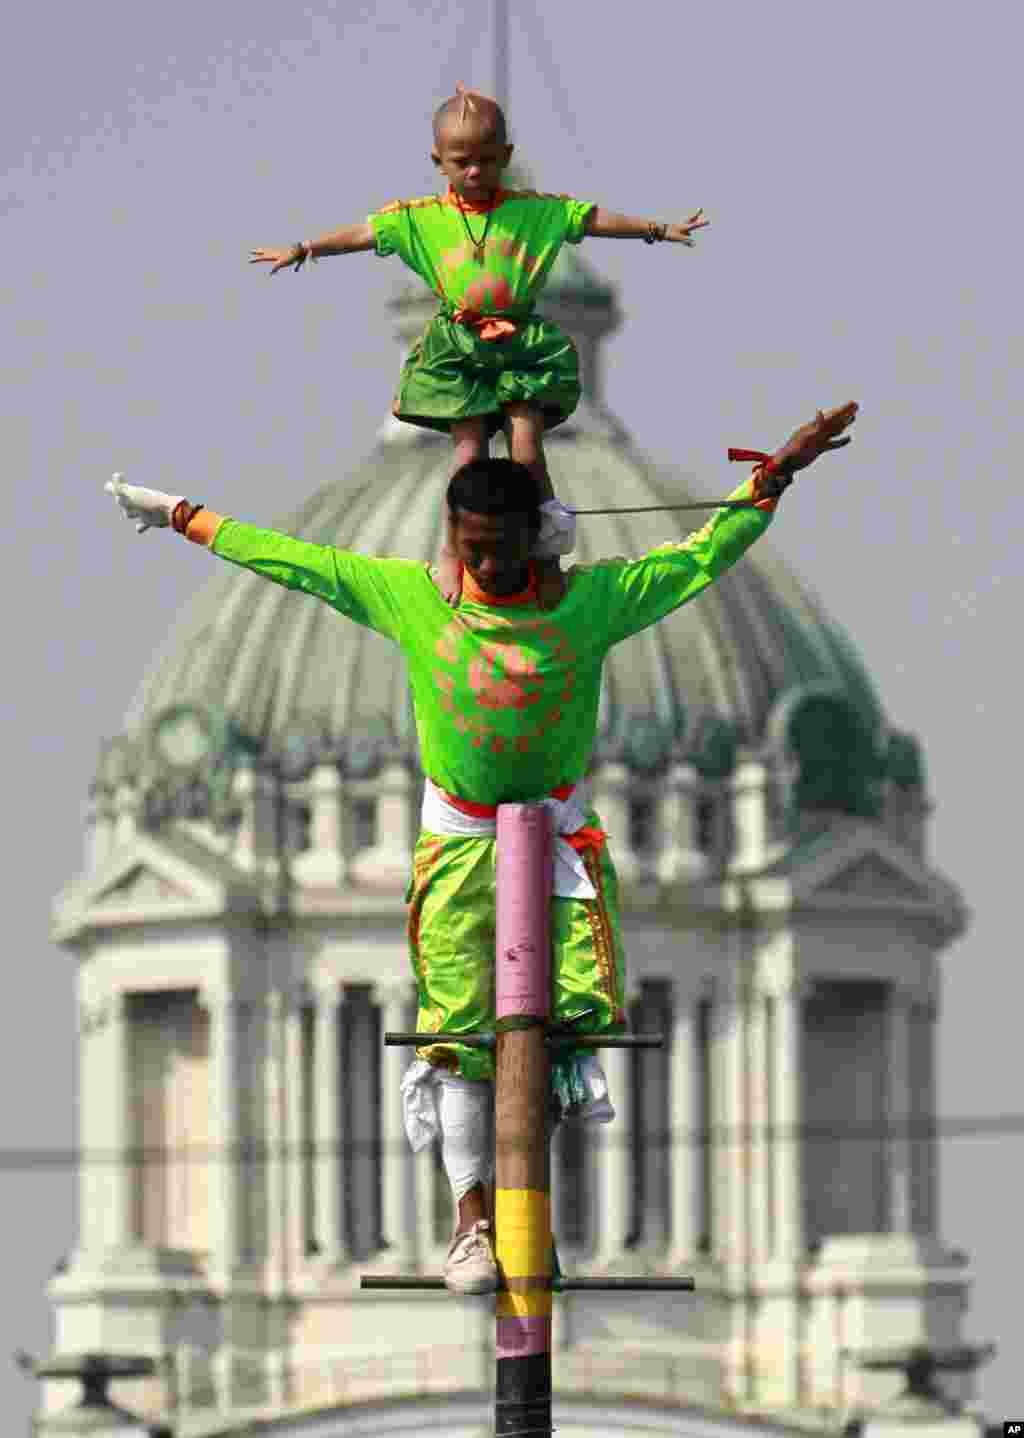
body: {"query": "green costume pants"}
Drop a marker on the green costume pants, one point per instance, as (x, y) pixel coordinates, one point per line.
(450, 374)
(452, 947)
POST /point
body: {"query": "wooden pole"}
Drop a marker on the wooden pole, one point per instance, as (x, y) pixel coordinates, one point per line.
(522, 1200)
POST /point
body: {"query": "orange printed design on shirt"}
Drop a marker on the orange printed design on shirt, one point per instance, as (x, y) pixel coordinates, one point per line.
(489, 290)
(505, 677)
(490, 687)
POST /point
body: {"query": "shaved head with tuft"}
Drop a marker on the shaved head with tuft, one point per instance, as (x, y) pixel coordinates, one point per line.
(469, 110)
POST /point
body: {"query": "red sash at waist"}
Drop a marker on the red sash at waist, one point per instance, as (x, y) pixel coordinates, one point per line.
(587, 837)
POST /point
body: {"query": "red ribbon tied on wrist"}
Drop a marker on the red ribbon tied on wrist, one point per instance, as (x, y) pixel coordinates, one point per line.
(750, 456)
(766, 466)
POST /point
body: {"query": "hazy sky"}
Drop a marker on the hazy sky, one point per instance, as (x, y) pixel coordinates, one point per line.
(860, 167)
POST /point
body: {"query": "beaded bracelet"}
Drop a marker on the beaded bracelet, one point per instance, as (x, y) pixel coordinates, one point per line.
(655, 232)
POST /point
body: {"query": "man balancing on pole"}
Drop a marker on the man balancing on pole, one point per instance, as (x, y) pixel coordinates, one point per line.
(506, 701)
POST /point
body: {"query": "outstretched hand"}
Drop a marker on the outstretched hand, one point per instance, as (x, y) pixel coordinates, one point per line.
(146, 508)
(292, 258)
(683, 234)
(815, 438)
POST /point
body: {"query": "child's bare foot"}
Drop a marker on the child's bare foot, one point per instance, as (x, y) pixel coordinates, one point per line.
(550, 584)
(449, 576)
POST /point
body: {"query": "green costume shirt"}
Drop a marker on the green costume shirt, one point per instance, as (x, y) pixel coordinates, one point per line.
(505, 699)
(460, 369)
(524, 233)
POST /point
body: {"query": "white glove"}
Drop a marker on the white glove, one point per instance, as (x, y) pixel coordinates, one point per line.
(146, 508)
(557, 531)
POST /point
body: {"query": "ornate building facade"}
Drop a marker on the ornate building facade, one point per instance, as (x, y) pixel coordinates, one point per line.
(238, 926)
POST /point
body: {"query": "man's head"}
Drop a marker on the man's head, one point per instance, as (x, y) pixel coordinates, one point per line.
(471, 146)
(495, 513)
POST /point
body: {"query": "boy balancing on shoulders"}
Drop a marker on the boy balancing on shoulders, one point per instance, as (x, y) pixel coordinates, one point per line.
(506, 707)
(486, 360)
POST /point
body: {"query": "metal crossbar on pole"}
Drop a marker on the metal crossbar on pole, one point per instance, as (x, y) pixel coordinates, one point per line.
(551, 1036)
(522, 1039)
(558, 1284)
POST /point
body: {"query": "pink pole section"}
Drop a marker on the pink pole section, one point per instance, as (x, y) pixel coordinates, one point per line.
(525, 867)
(522, 1198)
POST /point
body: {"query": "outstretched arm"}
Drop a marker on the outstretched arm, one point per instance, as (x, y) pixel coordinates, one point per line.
(607, 225)
(373, 592)
(347, 241)
(643, 591)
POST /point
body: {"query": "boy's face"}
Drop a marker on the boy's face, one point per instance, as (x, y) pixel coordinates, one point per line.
(471, 158)
(495, 548)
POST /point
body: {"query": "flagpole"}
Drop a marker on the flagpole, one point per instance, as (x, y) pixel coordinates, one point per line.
(501, 53)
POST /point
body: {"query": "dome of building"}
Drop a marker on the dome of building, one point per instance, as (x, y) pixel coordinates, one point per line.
(274, 664)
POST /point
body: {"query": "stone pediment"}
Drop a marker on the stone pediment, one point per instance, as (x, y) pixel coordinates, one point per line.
(154, 879)
(142, 884)
(873, 877)
(858, 867)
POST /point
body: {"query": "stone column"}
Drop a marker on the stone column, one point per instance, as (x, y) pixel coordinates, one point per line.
(749, 816)
(329, 1165)
(786, 1148)
(680, 859)
(109, 1220)
(225, 1132)
(297, 1138)
(685, 1126)
(900, 1109)
(90, 1209)
(786, 1121)
(614, 1159)
(758, 1118)
(398, 1012)
(275, 1132)
(729, 1121)
(927, 1206)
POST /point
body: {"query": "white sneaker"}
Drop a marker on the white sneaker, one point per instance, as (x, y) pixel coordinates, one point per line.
(470, 1265)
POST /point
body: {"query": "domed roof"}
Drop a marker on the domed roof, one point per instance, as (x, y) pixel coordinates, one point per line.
(278, 666)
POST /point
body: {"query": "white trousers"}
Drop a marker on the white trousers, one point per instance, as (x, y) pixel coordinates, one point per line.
(460, 1112)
